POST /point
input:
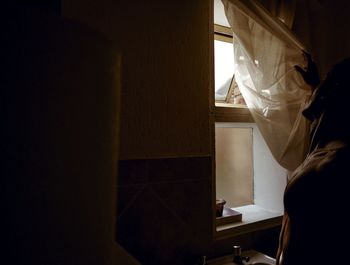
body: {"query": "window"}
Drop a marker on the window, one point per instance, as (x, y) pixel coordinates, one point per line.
(227, 92)
(233, 145)
(247, 177)
(229, 102)
(234, 164)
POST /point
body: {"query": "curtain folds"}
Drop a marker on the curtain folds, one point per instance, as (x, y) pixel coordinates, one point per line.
(265, 54)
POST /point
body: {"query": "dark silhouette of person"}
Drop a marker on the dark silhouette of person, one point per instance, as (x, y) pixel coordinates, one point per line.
(315, 225)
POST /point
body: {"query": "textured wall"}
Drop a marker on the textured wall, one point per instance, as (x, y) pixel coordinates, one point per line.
(165, 184)
(165, 72)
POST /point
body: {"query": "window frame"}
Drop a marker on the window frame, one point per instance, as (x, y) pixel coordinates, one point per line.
(224, 112)
(255, 218)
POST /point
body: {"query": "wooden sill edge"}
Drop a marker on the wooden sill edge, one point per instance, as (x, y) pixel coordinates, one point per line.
(265, 221)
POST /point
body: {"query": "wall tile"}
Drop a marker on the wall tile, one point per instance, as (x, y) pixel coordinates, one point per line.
(126, 197)
(133, 172)
(187, 201)
(176, 169)
(152, 234)
(164, 209)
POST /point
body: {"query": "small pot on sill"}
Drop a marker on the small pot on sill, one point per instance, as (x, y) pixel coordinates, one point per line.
(220, 207)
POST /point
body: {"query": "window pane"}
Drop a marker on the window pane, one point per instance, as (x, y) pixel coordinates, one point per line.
(234, 165)
(224, 68)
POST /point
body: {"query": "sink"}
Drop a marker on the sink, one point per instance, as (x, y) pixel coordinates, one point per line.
(255, 258)
(258, 258)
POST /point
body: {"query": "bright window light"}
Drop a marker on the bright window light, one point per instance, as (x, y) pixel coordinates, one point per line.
(224, 68)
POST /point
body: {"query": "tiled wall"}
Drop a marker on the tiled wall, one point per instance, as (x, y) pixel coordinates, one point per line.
(164, 214)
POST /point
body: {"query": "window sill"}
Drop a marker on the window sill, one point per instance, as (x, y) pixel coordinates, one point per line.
(254, 218)
(231, 113)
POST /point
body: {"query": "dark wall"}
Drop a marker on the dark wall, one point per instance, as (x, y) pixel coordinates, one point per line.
(58, 141)
(53, 6)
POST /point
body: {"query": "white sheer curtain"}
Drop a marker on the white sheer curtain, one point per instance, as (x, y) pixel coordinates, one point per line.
(265, 54)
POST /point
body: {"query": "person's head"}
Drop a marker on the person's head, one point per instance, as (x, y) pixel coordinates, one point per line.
(332, 92)
(330, 102)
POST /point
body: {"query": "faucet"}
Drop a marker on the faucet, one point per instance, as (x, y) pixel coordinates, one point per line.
(237, 255)
(203, 260)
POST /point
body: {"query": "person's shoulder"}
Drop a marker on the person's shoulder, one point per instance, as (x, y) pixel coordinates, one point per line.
(332, 156)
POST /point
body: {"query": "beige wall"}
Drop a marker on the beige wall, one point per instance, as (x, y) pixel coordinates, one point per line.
(165, 72)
